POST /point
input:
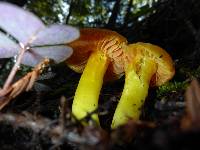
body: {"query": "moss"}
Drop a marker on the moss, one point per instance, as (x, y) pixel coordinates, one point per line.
(170, 87)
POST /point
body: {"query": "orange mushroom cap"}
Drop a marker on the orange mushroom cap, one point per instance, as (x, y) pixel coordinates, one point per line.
(94, 39)
(165, 68)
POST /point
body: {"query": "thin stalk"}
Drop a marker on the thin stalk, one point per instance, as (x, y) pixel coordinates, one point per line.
(88, 90)
(134, 92)
(15, 68)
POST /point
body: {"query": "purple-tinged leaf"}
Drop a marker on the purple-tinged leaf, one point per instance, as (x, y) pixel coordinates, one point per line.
(29, 30)
(31, 59)
(18, 22)
(55, 34)
(8, 48)
(57, 53)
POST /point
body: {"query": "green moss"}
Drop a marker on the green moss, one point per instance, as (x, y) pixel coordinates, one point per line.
(170, 87)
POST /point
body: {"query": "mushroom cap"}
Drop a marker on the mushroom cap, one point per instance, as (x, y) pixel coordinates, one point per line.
(94, 39)
(165, 67)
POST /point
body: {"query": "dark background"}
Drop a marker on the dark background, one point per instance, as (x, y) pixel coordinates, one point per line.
(172, 24)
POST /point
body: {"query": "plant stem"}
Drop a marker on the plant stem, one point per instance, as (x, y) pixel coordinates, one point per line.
(14, 69)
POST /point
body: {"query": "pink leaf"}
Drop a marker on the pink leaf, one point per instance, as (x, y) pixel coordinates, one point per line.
(57, 53)
(55, 34)
(8, 47)
(18, 22)
(44, 41)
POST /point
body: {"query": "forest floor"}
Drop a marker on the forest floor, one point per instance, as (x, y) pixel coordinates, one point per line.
(41, 118)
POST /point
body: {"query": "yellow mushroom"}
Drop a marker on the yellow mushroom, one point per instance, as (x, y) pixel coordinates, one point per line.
(146, 64)
(97, 53)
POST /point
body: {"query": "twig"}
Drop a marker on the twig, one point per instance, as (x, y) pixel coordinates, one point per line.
(15, 67)
(63, 111)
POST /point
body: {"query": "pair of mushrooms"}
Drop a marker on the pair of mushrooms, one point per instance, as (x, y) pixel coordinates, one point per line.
(101, 54)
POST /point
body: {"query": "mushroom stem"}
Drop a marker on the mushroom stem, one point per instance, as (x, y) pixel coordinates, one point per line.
(137, 79)
(87, 93)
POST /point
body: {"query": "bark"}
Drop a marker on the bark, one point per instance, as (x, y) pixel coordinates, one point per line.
(113, 17)
(126, 18)
(70, 11)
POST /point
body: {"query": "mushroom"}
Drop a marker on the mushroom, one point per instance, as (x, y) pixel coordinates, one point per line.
(97, 55)
(145, 65)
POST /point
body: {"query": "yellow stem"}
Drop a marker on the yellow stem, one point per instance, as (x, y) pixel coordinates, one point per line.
(87, 93)
(134, 93)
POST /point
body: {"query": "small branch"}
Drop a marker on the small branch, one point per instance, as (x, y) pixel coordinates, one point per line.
(15, 67)
(63, 112)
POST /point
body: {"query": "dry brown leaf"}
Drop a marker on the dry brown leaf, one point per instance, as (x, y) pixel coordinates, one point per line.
(192, 97)
(23, 84)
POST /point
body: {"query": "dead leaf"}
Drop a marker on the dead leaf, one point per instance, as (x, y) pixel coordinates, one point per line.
(23, 84)
(192, 98)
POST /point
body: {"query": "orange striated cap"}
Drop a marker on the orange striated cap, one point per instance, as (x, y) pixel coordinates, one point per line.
(94, 39)
(165, 67)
